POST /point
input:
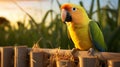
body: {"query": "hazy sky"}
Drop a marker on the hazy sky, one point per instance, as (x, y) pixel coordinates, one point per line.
(38, 8)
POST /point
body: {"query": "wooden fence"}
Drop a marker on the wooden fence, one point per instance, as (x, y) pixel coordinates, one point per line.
(22, 56)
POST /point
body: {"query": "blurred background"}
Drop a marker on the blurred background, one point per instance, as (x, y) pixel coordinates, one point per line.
(26, 22)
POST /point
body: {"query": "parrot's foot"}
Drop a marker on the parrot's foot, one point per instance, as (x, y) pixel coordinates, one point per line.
(91, 52)
(74, 50)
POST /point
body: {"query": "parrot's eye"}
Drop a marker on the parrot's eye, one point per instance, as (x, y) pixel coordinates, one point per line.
(74, 9)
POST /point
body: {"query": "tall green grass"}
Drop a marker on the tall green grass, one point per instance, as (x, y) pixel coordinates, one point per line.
(55, 34)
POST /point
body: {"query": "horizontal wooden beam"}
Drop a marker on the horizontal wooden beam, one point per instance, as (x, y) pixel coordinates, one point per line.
(100, 55)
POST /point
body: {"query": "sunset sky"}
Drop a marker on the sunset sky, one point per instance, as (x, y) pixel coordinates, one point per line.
(37, 8)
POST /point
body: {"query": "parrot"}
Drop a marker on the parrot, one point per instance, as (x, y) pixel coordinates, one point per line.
(84, 32)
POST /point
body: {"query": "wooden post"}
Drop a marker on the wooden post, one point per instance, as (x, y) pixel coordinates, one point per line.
(38, 58)
(114, 63)
(88, 61)
(7, 57)
(21, 56)
(64, 63)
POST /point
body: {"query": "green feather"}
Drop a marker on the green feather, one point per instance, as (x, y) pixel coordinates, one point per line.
(97, 37)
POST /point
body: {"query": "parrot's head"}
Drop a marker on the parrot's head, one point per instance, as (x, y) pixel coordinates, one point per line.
(73, 13)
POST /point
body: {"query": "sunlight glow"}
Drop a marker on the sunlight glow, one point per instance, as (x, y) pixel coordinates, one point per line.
(36, 8)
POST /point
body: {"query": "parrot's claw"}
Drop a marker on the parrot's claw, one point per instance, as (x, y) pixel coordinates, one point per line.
(91, 52)
(74, 50)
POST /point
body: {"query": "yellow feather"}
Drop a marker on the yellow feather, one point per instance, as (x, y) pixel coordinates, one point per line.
(80, 36)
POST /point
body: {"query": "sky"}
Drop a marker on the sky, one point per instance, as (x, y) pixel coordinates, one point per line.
(37, 8)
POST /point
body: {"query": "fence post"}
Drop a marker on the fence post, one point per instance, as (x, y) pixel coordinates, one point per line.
(88, 61)
(21, 56)
(7, 57)
(64, 63)
(114, 63)
(38, 58)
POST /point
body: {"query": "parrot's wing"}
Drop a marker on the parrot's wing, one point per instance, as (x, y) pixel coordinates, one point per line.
(97, 37)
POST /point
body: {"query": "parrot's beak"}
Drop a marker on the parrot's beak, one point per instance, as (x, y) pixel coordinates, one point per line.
(65, 16)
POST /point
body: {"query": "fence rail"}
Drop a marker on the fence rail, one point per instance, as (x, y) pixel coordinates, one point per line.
(22, 56)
